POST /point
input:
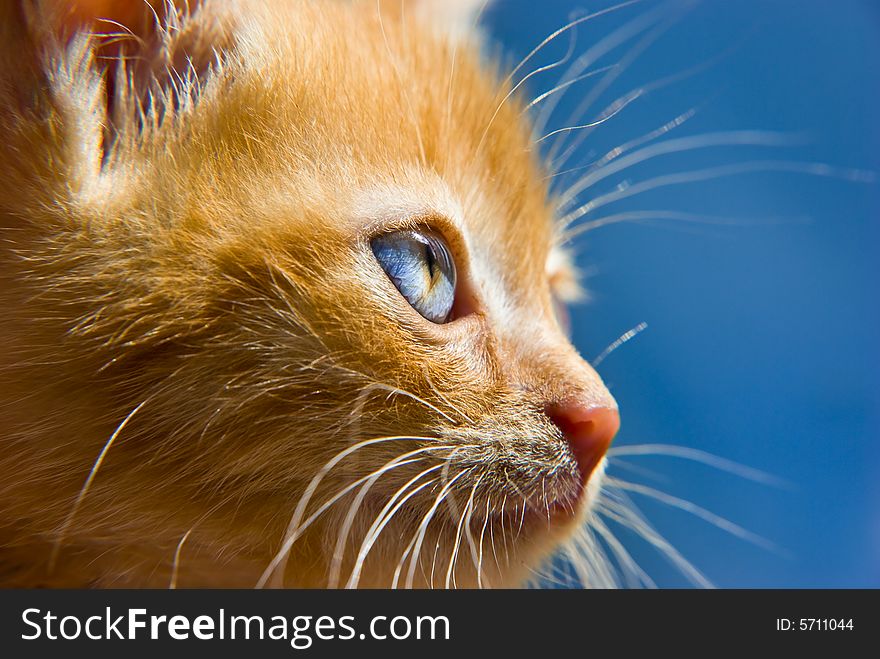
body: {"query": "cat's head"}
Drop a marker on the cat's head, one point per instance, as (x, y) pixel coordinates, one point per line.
(302, 257)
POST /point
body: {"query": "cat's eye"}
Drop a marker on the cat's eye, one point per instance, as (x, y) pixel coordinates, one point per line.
(420, 265)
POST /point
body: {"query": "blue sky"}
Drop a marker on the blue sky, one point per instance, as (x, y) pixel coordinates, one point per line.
(762, 345)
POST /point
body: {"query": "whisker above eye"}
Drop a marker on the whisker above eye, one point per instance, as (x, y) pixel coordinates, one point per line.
(646, 216)
(673, 146)
(523, 80)
(562, 86)
(621, 149)
(623, 338)
(593, 54)
(721, 171)
(570, 25)
(606, 116)
(607, 80)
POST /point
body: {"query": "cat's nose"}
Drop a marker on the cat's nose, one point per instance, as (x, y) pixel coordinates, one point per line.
(588, 429)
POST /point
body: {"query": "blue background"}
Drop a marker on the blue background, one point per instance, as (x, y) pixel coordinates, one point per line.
(762, 339)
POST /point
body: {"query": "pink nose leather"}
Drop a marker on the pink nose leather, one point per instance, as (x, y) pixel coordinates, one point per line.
(588, 431)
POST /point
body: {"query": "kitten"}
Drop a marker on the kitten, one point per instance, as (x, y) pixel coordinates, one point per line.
(279, 284)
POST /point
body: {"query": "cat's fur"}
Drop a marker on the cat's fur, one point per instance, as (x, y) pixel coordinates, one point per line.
(193, 323)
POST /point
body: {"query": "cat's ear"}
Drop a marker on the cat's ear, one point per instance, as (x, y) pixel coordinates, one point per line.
(139, 56)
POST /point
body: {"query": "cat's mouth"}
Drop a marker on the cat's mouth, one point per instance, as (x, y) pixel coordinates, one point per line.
(567, 505)
(561, 499)
(532, 480)
(496, 503)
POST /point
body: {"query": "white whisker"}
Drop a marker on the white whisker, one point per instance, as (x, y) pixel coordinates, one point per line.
(677, 145)
(423, 526)
(592, 55)
(618, 151)
(607, 80)
(565, 28)
(633, 573)
(520, 83)
(694, 509)
(450, 572)
(294, 524)
(563, 86)
(694, 176)
(62, 532)
(626, 336)
(382, 520)
(480, 577)
(598, 122)
(703, 457)
(172, 584)
(625, 513)
(647, 216)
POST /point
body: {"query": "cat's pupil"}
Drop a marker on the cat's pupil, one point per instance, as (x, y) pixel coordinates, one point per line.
(430, 260)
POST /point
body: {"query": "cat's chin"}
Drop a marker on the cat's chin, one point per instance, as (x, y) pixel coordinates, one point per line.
(544, 530)
(547, 531)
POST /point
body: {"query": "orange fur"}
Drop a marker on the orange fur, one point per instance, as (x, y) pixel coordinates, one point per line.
(185, 250)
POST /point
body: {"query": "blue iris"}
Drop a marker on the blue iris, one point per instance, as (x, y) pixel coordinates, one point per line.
(419, 264)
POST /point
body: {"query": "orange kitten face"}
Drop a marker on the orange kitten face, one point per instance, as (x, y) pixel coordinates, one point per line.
(285, 314)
